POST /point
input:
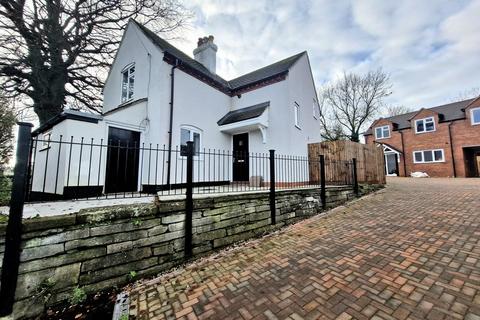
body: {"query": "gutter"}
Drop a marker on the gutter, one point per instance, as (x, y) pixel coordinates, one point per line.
(451, 149)
(170, 128)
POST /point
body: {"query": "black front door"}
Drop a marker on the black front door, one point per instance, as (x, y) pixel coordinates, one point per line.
(240, 157)
(122, 160)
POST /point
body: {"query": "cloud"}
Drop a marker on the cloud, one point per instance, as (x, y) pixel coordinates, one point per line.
(429, 48)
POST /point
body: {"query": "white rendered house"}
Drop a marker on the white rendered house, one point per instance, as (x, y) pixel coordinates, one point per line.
(156, 95)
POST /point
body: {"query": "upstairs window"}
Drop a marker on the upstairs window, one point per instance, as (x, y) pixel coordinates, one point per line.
(190, 134)
(426, 156)
(475, 113)
(296, 111)
(382, 132)
(424, 125)
(128, 82)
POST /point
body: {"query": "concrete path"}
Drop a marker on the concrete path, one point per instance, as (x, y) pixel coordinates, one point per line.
(411, 251)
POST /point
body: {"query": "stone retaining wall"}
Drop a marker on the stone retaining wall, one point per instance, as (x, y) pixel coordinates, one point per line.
(98, 248)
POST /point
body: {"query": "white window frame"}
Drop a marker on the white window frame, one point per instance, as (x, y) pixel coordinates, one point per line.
(296, 114)
(127, 70)
(382, 128)
(422, 152)
(424, 120)
(46, 140)
(192, 130)
(471, 116)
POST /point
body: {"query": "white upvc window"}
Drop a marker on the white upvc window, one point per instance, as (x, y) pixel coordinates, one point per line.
(475, 115)
(46, 139)
(128, 82)
(382, 132)
(296, 112)
(188, 133)
(424, 125)
(427, 156)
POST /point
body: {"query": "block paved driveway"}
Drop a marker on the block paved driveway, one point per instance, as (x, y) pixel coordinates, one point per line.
(411, 251)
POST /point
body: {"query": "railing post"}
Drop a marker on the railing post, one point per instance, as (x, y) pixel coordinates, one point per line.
(355, 177)
(13, 235)
(189, 201)
(272, 188)
(323, 194)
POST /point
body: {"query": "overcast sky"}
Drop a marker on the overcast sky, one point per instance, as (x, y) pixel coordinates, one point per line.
(431, 49)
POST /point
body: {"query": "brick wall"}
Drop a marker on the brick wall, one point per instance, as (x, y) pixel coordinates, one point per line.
(464, 134)
(96, 249)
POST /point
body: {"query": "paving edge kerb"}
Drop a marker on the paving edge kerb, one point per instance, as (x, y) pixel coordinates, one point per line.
(98, 248)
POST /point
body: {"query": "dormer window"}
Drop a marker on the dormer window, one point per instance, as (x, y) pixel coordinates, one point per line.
(128, 82)
(475, 114)
(424, 125)
(382, 132)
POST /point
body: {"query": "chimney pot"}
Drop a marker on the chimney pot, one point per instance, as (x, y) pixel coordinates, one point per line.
(206, 53)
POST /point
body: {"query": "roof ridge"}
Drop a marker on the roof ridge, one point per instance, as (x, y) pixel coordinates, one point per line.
(430, 108)
(296, 56)
(229, 84)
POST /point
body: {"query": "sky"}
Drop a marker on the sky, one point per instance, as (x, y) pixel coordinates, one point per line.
(430, 49)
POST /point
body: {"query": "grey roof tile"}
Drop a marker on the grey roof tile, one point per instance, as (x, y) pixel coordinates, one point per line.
(244, 113)
(448, 112)
(269, 71)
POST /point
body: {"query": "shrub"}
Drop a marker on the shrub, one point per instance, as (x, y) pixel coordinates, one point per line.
(5, 189)
(78, 296)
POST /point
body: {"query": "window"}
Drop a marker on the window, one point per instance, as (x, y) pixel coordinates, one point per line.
(427, 156)
(296, 110)
(475, 113)
(382, 132)
(190, 134)
(128, 81)
(47, 137)
(424, 125)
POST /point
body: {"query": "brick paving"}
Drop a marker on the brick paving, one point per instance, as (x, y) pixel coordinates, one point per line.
(411, 251)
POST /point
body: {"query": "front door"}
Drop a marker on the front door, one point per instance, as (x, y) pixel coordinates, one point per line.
(122, 160)
(240, 157)
(391, 164)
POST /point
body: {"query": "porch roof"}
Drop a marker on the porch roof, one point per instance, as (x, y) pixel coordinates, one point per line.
(244, 113)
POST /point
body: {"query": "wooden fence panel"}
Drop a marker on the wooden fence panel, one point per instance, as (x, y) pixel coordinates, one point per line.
(370, 159)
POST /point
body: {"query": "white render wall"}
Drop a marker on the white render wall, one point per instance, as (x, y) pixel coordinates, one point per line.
(196, 104)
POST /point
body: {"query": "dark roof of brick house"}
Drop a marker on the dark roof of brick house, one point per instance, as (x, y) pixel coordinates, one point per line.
(276, 69)
(447, 112)
(244, 113)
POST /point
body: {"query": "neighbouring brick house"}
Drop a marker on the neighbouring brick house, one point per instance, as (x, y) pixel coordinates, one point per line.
(443, 141)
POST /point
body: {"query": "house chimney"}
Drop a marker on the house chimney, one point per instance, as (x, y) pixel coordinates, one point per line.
(206, 53)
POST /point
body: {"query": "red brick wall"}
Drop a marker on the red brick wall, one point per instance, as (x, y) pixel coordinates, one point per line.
(464, 134)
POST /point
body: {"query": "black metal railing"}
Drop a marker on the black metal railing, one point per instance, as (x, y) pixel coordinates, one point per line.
(76, 168)
(85, 169)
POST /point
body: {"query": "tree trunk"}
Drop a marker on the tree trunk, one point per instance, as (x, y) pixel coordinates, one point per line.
(46, 111)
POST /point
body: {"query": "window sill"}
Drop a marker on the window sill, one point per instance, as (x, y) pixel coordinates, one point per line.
(383, 138)
(416, 132)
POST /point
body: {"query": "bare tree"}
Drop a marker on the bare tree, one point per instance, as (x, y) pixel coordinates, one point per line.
(330, 128)
(391, 111)
(353, 101)
(58, 51)
(7, 121)
(467, 94)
